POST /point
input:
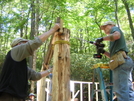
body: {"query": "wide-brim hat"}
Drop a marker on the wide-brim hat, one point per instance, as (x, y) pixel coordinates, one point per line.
(107, 23)
(17, 40)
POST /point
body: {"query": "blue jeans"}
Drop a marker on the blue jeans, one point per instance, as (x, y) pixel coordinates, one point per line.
(122, 81)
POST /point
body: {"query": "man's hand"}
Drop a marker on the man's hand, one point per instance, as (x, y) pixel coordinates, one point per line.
(57, 26)
(101, 50)
(99, 40)
(45, 35)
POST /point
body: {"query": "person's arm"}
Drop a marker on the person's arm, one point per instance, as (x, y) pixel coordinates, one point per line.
(112, 37)
(46, 72)
(22, 51)
(107, 54)
(44, 36)
(34, 76)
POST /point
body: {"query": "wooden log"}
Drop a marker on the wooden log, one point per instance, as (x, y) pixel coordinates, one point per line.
(41, 83)
(41, 89)
(61, 67)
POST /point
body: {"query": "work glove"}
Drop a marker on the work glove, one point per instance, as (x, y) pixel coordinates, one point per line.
(101, 50)
(98, 40)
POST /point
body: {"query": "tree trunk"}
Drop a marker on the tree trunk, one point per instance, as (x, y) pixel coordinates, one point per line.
(32, 34)
(129, 17)
(34, 68)
(61, 67)
(116, 12)
(41, 83)
(41, 89)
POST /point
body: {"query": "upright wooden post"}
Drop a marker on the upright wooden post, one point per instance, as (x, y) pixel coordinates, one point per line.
(41, 83)
(61, 66)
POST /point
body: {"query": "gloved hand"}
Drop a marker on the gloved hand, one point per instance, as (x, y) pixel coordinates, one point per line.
(101, 50)
(99, 40)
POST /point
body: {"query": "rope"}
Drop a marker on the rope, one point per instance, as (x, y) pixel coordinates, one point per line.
(60, 42)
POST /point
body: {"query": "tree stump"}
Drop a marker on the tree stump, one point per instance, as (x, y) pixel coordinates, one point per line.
(61, 67)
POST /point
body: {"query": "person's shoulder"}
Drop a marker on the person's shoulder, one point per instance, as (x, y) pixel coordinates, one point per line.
(18, 47)
(115, 28)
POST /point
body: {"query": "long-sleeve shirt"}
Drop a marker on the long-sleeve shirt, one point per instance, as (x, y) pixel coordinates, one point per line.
(33, 75)
(22, 51)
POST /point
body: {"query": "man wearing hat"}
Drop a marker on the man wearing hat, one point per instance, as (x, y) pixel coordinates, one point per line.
(31, 97)
(15, 72)
(120, 63)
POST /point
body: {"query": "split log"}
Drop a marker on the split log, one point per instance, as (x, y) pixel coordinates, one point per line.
(41, 83)
(41, 89)
(61, 67)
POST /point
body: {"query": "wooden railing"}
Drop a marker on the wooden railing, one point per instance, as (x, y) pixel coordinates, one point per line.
(79, 90)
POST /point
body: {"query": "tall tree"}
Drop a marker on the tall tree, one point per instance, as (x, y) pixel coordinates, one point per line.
(126, 4)
(32, 59)
(83, 18)
(116, 12)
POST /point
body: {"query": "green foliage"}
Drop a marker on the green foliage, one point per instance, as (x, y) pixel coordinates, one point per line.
(82, 66)
(82, 17)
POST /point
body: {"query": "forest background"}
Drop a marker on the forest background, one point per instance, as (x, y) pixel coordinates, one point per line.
(30, 18)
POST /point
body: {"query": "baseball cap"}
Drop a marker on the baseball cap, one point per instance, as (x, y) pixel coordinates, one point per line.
(17, 40)
(31, 94)
(107, 23)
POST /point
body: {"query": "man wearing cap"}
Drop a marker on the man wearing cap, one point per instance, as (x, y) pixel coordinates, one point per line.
(15, 72)
(120, 63)
(31, 97)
